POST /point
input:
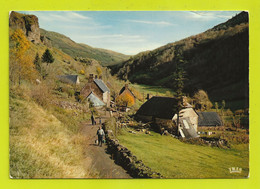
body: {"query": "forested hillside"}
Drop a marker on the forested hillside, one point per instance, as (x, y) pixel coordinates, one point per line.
(217, 62)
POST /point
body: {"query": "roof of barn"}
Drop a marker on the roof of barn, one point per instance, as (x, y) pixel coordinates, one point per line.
(101, 85)
(209, 119)
(95, 100)
(69, 78)
(123, 89)
(189, 132)
(159, 107)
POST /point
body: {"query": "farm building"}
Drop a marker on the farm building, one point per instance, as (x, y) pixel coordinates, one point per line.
(71, 79)
(162, 110)
(98, 88)
(126, 96)
(209, 119)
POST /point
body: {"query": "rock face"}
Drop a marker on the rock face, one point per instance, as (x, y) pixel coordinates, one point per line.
(28, 24)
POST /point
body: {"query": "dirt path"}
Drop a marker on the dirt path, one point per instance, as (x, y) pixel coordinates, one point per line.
(97, 158)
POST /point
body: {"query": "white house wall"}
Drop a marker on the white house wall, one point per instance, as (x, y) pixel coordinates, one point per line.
(191, 114)
(106, 97)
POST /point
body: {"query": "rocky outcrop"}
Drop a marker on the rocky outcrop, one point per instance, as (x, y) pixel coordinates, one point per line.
(28, 24)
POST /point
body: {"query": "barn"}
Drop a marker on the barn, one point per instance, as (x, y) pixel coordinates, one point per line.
(71, 79)
(209, 119)
(163, 110)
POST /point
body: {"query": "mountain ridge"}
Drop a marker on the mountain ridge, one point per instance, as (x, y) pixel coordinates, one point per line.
(218, 61)
(105, 56)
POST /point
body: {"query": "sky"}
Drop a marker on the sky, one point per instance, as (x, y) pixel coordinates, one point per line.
(129, 32)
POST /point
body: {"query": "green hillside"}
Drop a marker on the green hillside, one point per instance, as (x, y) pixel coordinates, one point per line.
(106, 57)
(217, 62)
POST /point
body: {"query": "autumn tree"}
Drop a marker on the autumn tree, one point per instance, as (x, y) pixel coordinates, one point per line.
(125, 99)
(179, 76)
(21, 63)
(47, 57)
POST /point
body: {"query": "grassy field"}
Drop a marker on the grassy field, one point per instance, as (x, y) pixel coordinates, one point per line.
(43, 143)
(154, 90)
(175, 159)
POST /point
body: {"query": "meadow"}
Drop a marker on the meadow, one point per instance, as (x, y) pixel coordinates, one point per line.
(175, 159)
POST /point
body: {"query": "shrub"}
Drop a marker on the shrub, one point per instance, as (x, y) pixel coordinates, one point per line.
(202, 101)
(41, 94)
(82, 72)
(228, 112)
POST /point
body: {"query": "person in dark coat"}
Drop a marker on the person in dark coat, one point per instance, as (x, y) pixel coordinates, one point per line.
(100, 134)
(92, 119)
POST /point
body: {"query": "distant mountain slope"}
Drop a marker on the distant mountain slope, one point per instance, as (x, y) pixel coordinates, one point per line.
(106, 57)
(218, 61)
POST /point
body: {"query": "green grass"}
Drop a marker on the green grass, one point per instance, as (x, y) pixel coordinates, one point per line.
(154, 90)
(175, 159)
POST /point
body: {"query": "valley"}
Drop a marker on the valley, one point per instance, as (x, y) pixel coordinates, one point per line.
(192, 116)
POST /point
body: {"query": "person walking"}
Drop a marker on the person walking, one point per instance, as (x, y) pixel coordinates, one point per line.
(92, 119)
(100, 134)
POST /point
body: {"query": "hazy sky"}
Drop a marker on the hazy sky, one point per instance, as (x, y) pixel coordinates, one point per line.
(129, 32)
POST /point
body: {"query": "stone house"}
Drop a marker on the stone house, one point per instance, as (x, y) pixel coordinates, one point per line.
(163, 110)
(97, 87)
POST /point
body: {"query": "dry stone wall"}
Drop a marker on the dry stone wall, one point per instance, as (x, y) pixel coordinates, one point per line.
(127, 160)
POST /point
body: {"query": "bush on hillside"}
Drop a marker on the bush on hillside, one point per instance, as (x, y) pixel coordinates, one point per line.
(41, 94)
(201, 100)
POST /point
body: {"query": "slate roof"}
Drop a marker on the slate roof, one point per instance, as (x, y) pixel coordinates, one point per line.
(69, 78)
(159, 107)
(189, 132)
(101, 85)
(95, 100)
(209, 119)
(123, 89)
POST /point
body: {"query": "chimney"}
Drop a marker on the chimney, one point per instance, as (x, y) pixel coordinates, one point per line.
(126, 86)
(95, 76)
(90, 79)
(148, 96)
(100, 77)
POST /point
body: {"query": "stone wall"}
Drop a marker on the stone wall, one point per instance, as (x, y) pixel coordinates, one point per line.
(127, 160)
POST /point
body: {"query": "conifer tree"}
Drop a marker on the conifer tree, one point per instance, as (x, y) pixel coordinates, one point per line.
(37, 62)
(47, 57)
(179, 76)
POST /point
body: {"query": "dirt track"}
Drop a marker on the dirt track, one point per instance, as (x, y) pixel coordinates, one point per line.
(97, 160)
